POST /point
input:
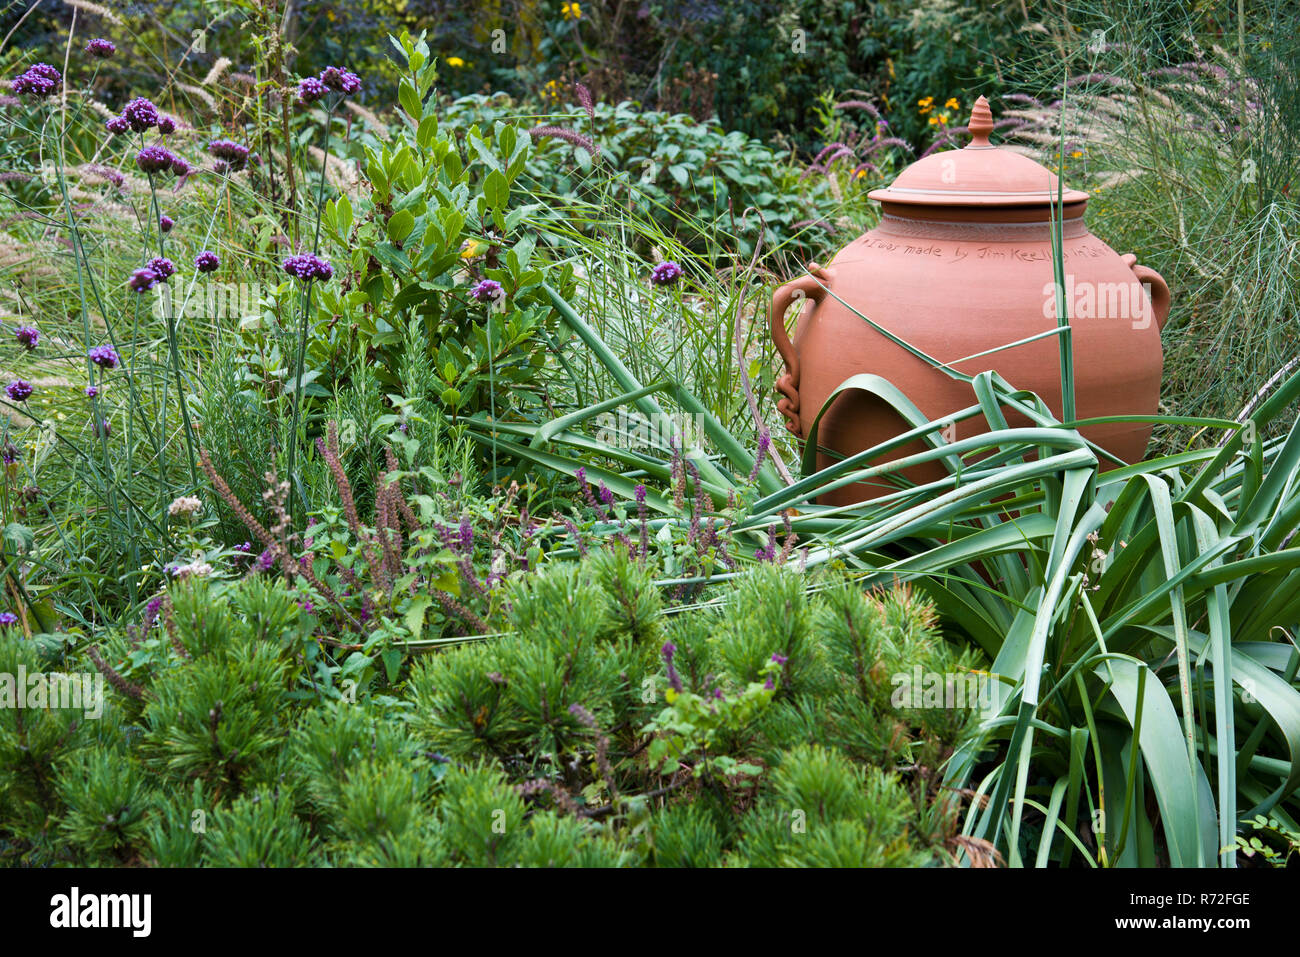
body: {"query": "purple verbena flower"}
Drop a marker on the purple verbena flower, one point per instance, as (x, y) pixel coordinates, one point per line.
(234, 154)
(142, 280)
(340, 80)
(310, 90)
(92, 391)
(265, 561)
(207, 261)
(779, 658)
(141, 114)
(308, 266)
(8, 618)
(100, 48)
(118, 124)
(38, 80)
(20, 390)
(163, 268)
(486, 290)
(154, 159)
(28, 336)
(103, 356)
(165, 223)
(666, 273)
(166, 125)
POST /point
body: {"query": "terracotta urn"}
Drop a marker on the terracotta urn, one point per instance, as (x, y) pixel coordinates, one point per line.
(961, 263)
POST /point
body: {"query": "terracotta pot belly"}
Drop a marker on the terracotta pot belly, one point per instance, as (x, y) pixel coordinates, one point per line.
(962, 264)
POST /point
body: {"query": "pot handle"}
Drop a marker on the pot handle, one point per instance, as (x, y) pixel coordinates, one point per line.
(805, 287)
(1161, 299)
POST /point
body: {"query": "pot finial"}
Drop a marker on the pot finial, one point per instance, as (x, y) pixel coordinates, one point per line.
(981, 123)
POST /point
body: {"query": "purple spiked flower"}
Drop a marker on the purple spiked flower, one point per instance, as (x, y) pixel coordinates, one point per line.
(166, 125)
(28, 336)
(666, 273)
(308, 266)
(165, 223)
(20, 390)
(100, 48)
(118, 124)
(674, 679)
(206, 261)
(486, 290)
(103, 356)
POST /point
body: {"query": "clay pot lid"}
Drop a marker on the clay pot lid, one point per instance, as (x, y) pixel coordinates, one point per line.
(979, 174)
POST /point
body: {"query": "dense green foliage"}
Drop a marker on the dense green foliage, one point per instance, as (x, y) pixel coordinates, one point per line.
(217, 746)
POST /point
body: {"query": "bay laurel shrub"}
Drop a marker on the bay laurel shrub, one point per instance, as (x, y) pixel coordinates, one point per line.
(534, 747)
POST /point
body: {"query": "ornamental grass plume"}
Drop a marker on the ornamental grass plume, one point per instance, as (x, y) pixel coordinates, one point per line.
(573, 137)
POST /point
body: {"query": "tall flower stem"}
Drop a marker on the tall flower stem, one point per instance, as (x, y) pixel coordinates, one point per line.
(306, 319)
(169, 318)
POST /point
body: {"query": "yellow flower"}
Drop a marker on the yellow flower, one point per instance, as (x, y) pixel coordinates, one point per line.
(1077, 153)
(861, 173)
(455, 61)
(934, 120)
(925, 105)
(472, 249)
(952, 104)
(571, 11)
(943, 117)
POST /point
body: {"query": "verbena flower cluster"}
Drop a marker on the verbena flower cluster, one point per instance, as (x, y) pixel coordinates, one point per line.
(666, 273)
(207, 261)
(232, 156)
(159, 159)
(332, 78)
(159, 269)
(486, 290)
(100, 48)
(27, 336)
(20, 390)
(38, 80)
(165, 223)
(308, 266)
(103, 356)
